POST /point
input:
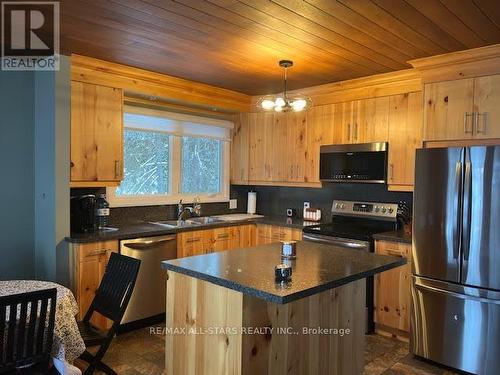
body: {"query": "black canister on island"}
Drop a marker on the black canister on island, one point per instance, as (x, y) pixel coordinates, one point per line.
(102, 211)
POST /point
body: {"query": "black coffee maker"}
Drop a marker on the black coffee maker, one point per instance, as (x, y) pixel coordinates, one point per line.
(83, 213)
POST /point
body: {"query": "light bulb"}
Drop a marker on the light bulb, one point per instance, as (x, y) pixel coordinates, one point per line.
(279, 102)
(298, 105)
(278, 108)
(267, 104)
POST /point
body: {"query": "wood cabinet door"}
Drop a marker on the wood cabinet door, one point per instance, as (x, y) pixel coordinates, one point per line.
(248, 234)
(91, 263)
(240, 149)
(487, 107)
(194, 242)
(320, 131)
(226, 238)
(295, 146)
(448, 108)
(278, 150)
(372, 120)
(96, 133)
(344, 119)
(261, 126)
(405, 136)
(392, 288)
(264, 234)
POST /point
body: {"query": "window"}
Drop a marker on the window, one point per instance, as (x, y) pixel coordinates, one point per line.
(171, 156)
(146, 155)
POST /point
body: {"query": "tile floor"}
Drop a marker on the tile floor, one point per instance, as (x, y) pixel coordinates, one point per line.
(142, 353)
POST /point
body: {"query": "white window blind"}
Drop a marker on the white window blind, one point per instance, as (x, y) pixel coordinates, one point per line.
(177, 123)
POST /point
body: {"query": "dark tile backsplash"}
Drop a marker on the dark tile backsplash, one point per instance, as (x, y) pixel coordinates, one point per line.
(120, 215)
(271, 200)
(274, 200)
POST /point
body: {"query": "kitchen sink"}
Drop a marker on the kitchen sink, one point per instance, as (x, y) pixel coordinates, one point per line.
(204, 220)
(174, 223)
(194, 221)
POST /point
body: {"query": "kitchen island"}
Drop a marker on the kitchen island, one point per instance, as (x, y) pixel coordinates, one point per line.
(226, 314)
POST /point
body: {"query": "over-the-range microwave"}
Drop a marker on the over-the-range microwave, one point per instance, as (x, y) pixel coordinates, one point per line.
(354, 163)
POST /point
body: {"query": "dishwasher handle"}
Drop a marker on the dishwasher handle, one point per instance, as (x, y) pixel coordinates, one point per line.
(147, 243)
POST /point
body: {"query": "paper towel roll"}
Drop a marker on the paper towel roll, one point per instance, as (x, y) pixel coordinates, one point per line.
(252, 202)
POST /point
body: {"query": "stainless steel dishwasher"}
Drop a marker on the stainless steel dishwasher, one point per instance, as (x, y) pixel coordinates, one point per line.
(148, 298)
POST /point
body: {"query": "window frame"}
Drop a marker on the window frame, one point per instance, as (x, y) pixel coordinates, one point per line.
(175, 163)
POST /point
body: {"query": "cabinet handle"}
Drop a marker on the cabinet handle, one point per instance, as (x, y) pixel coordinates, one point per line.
(196, 239)
(356, 131)
(394, 253)
(391, 171)
(478, 129)
(466, 116)
(117, 169)
(349, 132)
(98, 252)
(223, 235)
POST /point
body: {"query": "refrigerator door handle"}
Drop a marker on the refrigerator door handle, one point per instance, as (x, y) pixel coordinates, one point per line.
(458, 189)
(467, 206)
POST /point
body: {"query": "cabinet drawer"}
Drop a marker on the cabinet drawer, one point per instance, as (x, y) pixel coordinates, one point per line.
(96, 249)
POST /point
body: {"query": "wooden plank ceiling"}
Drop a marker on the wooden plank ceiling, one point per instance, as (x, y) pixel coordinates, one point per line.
(237, 44)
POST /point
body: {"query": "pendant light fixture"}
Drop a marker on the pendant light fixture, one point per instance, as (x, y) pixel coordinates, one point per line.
(284, 102)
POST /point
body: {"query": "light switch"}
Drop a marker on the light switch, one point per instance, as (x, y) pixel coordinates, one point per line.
(233, 204)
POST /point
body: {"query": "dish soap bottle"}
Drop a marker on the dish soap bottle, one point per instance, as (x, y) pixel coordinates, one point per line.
(102, 211)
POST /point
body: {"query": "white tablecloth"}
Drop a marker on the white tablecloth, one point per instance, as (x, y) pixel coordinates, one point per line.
(68, 343)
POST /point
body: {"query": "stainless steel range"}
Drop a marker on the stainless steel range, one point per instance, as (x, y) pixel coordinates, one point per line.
(353, 225)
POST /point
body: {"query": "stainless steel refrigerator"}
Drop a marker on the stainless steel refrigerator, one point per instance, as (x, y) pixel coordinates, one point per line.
(455, 318)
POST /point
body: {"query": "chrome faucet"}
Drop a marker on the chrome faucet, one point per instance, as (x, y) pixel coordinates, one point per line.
(197, 206)
(188, 210)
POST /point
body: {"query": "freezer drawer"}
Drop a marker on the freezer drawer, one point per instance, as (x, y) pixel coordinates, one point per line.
(456, 329)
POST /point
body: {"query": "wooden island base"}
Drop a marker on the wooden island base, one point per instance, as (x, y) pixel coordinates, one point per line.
(195, 306)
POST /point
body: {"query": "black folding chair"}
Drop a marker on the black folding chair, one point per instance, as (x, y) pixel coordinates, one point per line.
(111, 300)
(27, 331)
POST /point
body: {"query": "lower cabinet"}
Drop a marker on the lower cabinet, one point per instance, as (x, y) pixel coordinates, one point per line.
(90, 260)
(206, 241)
(392, 291)
(273, 233)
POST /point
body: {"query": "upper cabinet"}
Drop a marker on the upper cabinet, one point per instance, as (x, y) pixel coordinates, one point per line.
(487, 106)
(449, 110)
(96, 135)
(284, 148)
(239, 149)
(462, 109)
(405, 136)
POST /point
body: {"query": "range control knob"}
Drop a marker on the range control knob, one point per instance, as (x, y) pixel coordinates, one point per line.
(383, 210)
(377, 209)
(390, 210)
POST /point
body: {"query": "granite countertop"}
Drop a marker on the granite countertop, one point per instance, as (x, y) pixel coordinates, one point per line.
(394, 236)
(145, 229)
(318, 267)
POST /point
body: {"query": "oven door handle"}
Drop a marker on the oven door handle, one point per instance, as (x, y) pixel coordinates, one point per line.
(335, 241)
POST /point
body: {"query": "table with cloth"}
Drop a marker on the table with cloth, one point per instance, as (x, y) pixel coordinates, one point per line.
(68, 343)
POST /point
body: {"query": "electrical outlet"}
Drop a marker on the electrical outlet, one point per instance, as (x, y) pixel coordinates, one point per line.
(233, 204)
(307, 204)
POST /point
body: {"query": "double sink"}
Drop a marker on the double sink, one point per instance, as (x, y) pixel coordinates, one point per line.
(187, 223)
